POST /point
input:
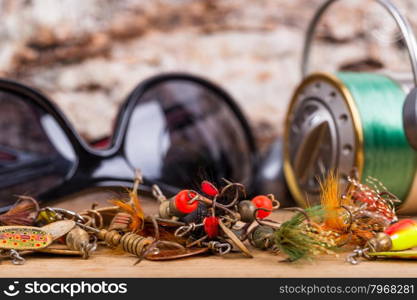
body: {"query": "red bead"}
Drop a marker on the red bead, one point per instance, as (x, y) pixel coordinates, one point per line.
(209, 189)
(262, 202)
(211, 226)
(181, 202)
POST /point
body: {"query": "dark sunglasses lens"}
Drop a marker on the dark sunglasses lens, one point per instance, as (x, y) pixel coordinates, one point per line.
(182, 131)
(35, 154)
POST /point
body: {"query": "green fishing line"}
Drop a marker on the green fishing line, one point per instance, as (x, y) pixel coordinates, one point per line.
(388, 156)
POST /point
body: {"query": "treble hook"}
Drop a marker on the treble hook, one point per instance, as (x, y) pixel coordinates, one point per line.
(358, 253)
(266, 222)
(236, 198)
(183, 230)
(89, 248)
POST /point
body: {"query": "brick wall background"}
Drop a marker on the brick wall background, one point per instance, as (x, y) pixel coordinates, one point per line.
(88, 55)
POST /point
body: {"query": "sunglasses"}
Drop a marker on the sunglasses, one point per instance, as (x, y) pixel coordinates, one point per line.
(176, 128)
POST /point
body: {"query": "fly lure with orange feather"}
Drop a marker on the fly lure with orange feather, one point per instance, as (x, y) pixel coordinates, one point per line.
(333, 202)
(133, 207)
(358, 213)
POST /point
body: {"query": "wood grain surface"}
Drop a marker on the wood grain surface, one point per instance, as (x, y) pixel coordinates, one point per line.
(108, 263)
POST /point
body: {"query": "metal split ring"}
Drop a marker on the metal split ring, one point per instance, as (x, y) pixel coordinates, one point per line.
(16, 258)
(219, 248)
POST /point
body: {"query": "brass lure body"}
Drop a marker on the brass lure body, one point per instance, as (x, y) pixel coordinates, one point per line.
(59, 228)
(130, 242)
(79, 240)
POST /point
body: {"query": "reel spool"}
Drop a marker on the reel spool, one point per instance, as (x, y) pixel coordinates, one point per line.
(351, 121)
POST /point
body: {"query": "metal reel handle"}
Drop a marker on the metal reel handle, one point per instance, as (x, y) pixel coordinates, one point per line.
(402, 22)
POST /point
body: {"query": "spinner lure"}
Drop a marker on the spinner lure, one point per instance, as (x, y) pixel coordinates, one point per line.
(391, 243)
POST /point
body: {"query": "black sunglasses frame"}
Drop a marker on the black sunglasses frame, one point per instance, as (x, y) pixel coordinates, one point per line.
(84, 173)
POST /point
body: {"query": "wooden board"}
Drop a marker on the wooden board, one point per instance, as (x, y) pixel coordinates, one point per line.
(107, 263)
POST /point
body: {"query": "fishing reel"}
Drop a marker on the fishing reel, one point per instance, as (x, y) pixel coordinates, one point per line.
(353, 121)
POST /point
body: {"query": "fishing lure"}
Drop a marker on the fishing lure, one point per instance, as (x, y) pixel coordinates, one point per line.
(211, 226)
(121, 222)
(259, 207)
(138, 245)
(188, 205)
(214, 229)
(133, 207)
(49, 215)
(265, 205)
(357, 214)
(171, 254)
(390, 243)
(58, 250)
(177, 206)
(301, 238)
(262, 237)
(59, 228)
(373, 198)
(130, 242)
(186, 201)
(24, 212)
(79, 240)
(223, 212)
(19, 238)
(24, 238)
(236, 241)
(209, 189)
(332, 202)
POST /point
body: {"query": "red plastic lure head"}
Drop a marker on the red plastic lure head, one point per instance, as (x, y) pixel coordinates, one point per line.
(209, 189)
(264, 202)
(211, 226)
(182, 200)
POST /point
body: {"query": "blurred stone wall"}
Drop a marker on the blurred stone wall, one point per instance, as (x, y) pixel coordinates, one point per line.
(87, 55)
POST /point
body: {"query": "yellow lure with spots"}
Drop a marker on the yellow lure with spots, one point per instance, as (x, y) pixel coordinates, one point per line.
(24, 238)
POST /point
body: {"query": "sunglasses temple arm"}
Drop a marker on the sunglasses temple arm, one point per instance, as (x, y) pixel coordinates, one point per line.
(25, 172)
